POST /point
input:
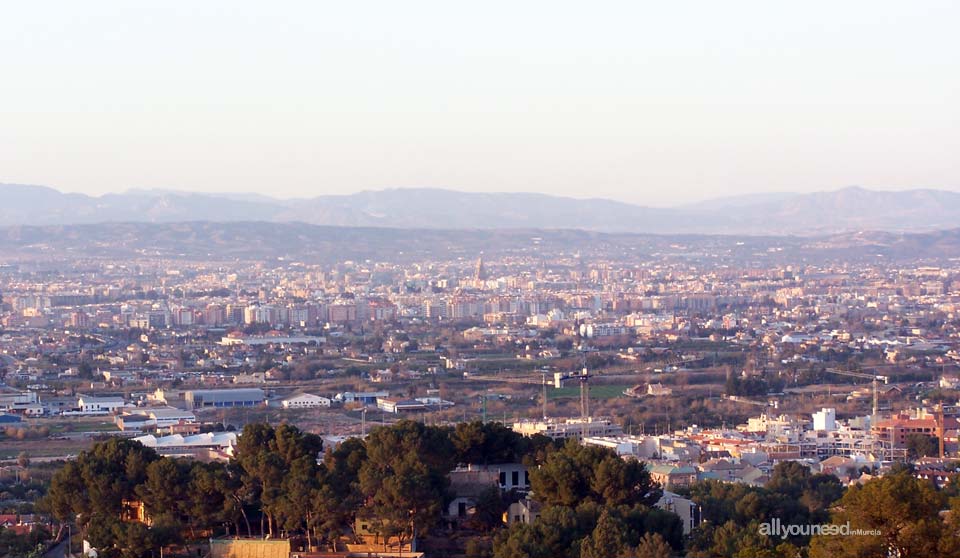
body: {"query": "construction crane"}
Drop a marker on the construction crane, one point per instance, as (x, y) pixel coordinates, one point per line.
(584, 378)
(876, 388)
(940, 428)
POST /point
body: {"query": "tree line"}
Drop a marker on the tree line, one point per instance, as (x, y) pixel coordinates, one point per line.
(275, 485)
(592, 503)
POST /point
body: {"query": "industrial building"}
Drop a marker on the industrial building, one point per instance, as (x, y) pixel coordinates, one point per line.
(222, 398)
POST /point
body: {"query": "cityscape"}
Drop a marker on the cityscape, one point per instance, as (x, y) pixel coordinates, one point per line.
(704, 364)
(437, 279)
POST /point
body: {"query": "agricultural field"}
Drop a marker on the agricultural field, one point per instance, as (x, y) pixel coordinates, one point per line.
(596, 392)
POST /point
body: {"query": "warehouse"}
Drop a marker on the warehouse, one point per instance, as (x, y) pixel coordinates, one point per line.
(219, 398)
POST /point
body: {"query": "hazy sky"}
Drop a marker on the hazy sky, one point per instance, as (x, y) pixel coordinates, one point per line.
(649, 102)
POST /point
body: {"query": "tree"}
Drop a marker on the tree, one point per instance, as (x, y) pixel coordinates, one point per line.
(788, 478)
(578, 473)
(903, 509)
(264, 458)
(404, 478)
(555, 534)
(298, 491)
(338, 494)
(164, 496)
(211, 497)
(95, 486)
(489, 509)
(23, 460)
(607, 539)
(921, 445)
(477, 548)
(491, 442)
(652, 545)
(164, 491)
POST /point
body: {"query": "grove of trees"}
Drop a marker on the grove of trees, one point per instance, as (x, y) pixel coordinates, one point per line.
(275, 484)
(129, 501)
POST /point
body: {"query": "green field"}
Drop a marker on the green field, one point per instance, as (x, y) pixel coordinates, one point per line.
(596, 392)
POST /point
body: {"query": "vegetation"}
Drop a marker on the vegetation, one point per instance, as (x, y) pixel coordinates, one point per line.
(127, 500)
(904, 511)
(596, 505)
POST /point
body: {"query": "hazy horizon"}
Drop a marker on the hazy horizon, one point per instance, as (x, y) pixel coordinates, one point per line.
(651, 104)
(282, 197)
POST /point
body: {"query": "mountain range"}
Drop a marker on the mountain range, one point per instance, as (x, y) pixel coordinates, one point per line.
(300, 242)
(829, 212)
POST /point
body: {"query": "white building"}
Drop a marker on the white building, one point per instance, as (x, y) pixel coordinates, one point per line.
(93, 404)
(568, 428)
(825, 420)
(170, 416)
(191, 446)
(398, 405)
(305, 401)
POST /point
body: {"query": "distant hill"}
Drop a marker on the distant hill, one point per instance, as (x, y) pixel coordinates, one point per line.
(847, 210)
(263, 241)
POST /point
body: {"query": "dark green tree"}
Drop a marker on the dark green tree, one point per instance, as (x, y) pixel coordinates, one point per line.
(489, 508)
(652, 545)
(264, 457)
(921, 445)
(404, 478)
(576, 474)
(94, 489)
(607, 540)
(338, 494)
(903, 509)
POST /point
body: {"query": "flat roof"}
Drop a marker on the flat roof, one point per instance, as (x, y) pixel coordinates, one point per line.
(231, 393)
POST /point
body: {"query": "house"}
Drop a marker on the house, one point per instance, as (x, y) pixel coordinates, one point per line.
(657, 390)
(305, 401)
(384, 376)
(119, 376)
(672, 476)
(840, 466)
(509, 476)
(525, 511)
(466, 487)
(686, 509)
(95, 404)
(21, 524)
(374, 545)
(733, 471)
